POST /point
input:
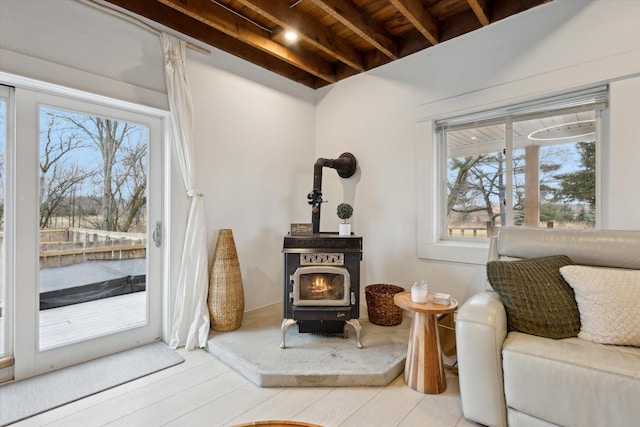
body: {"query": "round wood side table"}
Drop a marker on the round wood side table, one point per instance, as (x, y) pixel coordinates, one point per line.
(424, 369)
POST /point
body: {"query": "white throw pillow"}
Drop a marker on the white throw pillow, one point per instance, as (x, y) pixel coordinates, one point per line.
(608, 301)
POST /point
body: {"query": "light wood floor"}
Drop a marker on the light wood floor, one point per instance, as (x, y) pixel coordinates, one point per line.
(203, 391)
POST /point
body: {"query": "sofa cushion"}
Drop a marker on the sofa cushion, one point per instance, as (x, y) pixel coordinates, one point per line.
(536, 298)
(608, 303)
(572, 382)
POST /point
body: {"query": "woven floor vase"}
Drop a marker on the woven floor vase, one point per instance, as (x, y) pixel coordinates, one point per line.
(226, 294)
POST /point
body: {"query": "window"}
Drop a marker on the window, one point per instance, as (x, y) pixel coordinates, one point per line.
(532, 164)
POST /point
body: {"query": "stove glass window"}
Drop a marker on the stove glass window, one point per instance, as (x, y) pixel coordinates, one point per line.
(322, 286)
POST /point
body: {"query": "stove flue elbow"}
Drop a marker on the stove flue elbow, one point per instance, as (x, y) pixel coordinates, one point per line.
(345, 165)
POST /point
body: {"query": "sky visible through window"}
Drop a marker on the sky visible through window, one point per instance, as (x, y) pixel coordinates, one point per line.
(76, 138)
(93, 169)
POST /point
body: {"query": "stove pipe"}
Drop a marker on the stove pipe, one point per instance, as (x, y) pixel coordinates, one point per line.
(345, 165)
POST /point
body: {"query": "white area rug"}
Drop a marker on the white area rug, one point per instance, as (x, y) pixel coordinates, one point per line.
(26, 398)
(309, 359)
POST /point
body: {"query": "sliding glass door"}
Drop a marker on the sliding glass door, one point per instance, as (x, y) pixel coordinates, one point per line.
(88, 197)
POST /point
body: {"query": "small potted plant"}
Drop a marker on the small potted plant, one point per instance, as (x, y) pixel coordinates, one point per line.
(344, 213)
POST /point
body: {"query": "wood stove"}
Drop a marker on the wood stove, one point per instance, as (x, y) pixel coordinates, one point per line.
(322, 270)
(322, 283)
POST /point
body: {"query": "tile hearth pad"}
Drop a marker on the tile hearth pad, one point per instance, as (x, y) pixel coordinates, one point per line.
(311, 360)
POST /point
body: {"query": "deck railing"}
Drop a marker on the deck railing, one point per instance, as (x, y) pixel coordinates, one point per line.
(488, 230)
(60, 247)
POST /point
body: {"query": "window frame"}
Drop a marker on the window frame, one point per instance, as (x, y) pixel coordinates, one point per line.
(432, 240)
(592, 100)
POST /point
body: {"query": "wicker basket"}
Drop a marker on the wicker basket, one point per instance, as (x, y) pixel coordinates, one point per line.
(380, 306)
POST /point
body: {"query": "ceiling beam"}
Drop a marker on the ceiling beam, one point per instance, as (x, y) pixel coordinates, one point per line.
(360, 23)
(308, 30)
(419, 17)
(481, 10)
(229, 23)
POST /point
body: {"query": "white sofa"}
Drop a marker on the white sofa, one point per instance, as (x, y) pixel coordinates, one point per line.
(516, 379)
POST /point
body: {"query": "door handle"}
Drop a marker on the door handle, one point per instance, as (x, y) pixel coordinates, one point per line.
(157, 234)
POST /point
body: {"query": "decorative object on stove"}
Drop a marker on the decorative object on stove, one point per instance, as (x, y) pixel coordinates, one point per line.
(226, 293)
(345, 165)
(301, 229)
(344, 213)
(380, 306)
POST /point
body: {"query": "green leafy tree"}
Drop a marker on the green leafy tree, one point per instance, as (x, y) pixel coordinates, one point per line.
(580, 185)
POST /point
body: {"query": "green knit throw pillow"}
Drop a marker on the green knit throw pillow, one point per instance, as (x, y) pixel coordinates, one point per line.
(536, 298)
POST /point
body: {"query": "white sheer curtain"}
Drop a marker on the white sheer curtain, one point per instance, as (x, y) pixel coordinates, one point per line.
(190, 324)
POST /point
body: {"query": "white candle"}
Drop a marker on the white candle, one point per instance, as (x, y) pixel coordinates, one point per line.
(419, 292)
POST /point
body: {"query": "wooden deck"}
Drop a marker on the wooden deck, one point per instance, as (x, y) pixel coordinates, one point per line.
(77, 322)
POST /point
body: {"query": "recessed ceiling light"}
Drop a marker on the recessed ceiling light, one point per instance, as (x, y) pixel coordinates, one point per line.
(291, 35)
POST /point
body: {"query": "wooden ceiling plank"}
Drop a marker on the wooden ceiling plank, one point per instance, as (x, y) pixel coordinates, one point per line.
(308, 29)
(458, 25)
(186, 25)
(223, 20)
(501, 9)
(481, 10)
(360, 23)
(419, 17)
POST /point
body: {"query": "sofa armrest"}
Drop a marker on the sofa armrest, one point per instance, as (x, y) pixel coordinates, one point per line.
(481, 328)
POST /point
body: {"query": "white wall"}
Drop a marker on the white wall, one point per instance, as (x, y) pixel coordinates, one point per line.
(255, 147)
(71, 44)
(559, 45)
(623, 188)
